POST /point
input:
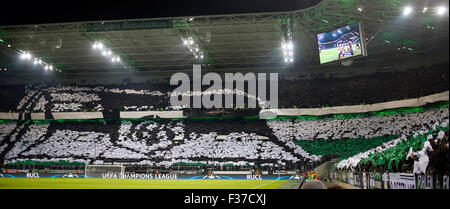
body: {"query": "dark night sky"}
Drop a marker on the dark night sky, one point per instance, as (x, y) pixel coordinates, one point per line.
(16, 12)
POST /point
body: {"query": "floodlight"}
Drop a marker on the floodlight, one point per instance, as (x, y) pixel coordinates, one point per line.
(424, 10)
(290, 45)
(292, 60)
(441, 10)
(25, 55)
(407, 10)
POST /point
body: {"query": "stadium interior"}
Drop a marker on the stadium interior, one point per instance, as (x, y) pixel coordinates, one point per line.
(93, 99)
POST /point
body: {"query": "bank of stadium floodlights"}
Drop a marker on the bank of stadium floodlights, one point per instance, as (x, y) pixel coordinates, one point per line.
(27, 56)
(287, 44)
(193, 47)
(440, 10)
(190, 38)
(106, 52)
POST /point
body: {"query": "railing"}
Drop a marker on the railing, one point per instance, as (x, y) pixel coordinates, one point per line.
(378, 180)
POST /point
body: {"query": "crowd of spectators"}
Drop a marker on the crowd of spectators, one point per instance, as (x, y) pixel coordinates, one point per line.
(148, 143)
(10, 97)
(424, 152)
(360, 127)
(238, 142)
(235, 141)
(299, 93)
(322, 137)
(364, 89)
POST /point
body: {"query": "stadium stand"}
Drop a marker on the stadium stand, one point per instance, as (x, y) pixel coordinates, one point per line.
(364, 89)
(195, 142)
(357, 127)
(319, 92)
(406, 154)
(362, 99)
(11, 95)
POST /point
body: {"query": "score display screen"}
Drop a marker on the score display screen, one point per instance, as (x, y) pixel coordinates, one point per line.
(341, 43)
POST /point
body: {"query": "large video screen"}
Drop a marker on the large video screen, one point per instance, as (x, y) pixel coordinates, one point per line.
(341, 43)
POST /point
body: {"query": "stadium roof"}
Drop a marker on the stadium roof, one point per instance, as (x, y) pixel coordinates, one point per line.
(226, 41)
